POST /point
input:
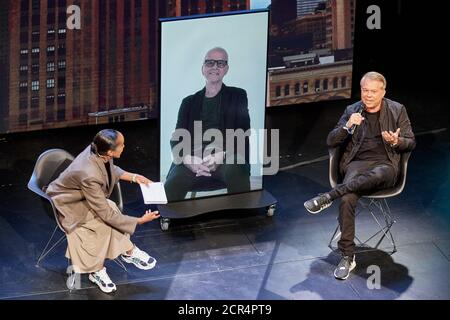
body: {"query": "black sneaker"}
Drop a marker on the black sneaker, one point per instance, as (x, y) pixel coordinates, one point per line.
(317, 204)
(345, 266)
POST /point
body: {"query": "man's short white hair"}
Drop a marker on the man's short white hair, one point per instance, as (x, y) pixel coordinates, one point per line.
(218, 49)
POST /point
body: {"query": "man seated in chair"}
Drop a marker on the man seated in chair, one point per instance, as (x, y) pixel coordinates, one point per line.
(95, 227)
(372, 134)
(217, 107)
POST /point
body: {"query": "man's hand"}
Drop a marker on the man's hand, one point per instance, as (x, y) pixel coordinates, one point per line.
(355, 119)
(148, 216)
(143, 180)
(212, 161)
(391, 137)
(195, 164)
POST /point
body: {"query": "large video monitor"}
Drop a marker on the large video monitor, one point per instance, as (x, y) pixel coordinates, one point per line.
(213, 98)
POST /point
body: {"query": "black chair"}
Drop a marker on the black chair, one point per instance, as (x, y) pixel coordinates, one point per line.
(376, 203)
(48, 167)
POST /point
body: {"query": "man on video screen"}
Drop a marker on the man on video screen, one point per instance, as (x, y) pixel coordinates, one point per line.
(212, 164)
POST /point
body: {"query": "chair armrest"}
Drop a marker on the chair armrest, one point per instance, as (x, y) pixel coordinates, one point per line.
(33, 186)
(333, 171)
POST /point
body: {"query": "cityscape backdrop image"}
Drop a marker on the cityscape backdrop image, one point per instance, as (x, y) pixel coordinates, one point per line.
(52, 76)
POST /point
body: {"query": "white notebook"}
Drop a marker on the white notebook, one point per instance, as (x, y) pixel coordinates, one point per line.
(154, 193)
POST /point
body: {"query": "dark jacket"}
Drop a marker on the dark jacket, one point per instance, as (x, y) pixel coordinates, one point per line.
(233, 114)
(392, 116)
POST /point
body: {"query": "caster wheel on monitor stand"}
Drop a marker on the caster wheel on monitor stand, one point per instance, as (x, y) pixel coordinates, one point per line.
(270, 211)
(165, 222)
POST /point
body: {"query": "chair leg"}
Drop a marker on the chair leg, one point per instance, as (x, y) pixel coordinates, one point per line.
(334, 237)
(120, 264)
(45, 252)
(385, 211)
(73, 281)
(372, 205)
(389, 222)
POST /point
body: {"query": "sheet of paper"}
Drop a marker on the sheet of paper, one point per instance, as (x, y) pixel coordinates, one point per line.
(154, 193)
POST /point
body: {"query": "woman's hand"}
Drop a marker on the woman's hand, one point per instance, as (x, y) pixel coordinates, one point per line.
(148, 216)
(142, 180)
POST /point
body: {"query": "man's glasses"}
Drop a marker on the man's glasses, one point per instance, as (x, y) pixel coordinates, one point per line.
(220, 63)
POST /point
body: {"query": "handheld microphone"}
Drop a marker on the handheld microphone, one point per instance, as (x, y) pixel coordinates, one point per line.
(353, 127)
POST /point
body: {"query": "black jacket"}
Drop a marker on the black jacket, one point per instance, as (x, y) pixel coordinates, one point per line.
(233, 114)
(392, 116)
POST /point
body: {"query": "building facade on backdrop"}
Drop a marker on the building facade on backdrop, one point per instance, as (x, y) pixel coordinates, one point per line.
(108, 70)
(105, 72)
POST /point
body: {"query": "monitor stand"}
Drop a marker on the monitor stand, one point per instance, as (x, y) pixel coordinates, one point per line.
(194, 207)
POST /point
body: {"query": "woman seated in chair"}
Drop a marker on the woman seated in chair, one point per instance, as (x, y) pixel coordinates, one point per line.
(96, 228)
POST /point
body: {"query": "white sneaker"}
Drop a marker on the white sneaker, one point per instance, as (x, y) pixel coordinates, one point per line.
(103, 281)
(140, 259)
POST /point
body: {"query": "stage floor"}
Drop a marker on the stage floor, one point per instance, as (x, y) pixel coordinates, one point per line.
(246, 255)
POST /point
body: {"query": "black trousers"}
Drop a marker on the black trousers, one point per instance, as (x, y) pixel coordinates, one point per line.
(181, 180)
(360, 178)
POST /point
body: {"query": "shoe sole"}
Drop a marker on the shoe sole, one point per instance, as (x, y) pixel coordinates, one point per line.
(313, 212)
(150, 266)
(352, 266)
(105, 290)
